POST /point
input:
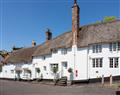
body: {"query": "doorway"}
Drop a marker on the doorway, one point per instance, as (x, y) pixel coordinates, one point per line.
(64, 69)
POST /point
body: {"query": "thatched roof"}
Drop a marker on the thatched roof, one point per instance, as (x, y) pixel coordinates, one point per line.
(62, 41)
(21, 55)
(99, 33)
(89, 34)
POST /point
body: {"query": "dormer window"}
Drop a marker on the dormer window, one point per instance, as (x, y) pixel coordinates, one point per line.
(114, 46)
(64, 51)
(54, 50)
(97, 48)
(43, 57)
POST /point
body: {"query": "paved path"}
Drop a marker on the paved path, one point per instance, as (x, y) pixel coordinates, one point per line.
(25, 88)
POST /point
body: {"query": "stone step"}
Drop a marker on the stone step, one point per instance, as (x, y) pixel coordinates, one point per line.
(62, 81)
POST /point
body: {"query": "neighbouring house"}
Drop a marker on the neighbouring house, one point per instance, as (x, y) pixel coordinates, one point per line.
(87, 52)
(1, 63)
(19, 64)
(3, 54)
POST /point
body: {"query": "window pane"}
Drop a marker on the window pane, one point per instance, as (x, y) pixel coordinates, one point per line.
(93, 48)
(111, 62)
(101, 62)
(116, 63)
(64, 51)
(96, 62)
(93, 61)
(96, 48)
(114, 46)
(118, 45)
(110, 46)
(100, 48)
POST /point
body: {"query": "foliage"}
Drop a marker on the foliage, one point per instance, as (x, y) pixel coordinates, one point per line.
(38, 70)
(70, 70)
(106, 19)
(109, 18)
(55, 69)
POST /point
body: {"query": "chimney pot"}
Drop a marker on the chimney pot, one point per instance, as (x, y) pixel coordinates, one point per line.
(33, 43)
(48, 35)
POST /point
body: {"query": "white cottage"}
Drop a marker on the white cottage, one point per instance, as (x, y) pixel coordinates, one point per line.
(88, 52)
(1, 63)
(19, 64)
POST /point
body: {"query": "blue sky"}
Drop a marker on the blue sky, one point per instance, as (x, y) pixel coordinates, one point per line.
(22, 21)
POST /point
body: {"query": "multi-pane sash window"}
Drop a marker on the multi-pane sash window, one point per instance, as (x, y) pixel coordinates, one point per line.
(114, 62)
(114, 46)
(97, 48)
(54, 67)
(97, 62)
(64, 51)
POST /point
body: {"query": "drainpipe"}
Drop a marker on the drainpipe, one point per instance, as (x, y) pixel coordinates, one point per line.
(74, 54)
(88, 64)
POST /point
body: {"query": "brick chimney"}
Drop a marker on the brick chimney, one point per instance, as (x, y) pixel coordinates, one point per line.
(75, 22)
(48, 35)
(33, 43)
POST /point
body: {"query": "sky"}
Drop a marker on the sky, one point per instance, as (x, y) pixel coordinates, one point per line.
(22, 21)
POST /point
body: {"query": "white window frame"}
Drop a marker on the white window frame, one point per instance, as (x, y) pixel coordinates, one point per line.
(113, 62)
(115, 46)
(64, 51)
(97, 48)
(97, 62)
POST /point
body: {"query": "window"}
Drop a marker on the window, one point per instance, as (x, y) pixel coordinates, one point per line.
(64, 51)
(97, 48)
(93, 62)
(44, 67)
(118, 46)
(64, 64)
(101, 62)
(54, 50)
(97, 62)
(43, 57)
(37, 70)
(54, 68)
(12, 71)
(111, 62)
(110, 46)
(114, 46)
(0, 68)
(114, 62)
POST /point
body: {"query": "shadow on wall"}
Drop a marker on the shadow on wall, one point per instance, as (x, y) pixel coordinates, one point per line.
(117, 92)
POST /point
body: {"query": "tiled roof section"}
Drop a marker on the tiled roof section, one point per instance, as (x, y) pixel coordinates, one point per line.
(99, 33)
(62, 41)
(21, 56)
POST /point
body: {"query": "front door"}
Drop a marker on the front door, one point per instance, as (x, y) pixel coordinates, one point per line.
(64, 69)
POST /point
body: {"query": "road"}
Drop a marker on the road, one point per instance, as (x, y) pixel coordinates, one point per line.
(28, 88)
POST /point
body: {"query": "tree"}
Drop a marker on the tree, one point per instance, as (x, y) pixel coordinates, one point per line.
(106, 19)
(109, 18)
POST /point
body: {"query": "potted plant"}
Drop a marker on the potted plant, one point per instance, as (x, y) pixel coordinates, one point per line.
(70, 70)
(38, 72)
(54, 70)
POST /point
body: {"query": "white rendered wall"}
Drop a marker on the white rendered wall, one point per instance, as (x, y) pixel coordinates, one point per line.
(55, 58)
(8, 73)
(105, 70)
(81, 64)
